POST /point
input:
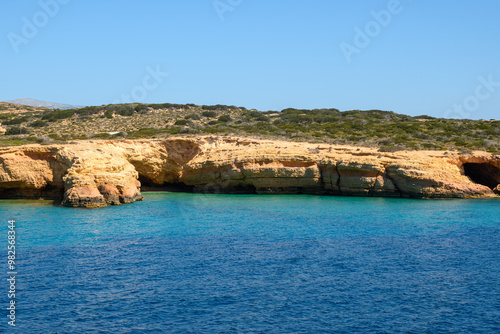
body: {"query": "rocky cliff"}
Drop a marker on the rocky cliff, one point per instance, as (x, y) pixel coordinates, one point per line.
(100, 173)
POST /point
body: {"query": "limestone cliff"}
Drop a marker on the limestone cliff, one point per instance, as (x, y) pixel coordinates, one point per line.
(85, 174)
(96, 174)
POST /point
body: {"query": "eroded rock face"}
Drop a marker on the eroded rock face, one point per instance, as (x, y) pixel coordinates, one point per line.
(497, 190)
(84, 175)
(97, 174)
(32, 172)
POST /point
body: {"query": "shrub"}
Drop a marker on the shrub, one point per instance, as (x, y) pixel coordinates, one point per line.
(16, 131)
(5, 116)
(125, 110)
(224, 118)
(253, 114)
(141, 108)
(16, 121)
(181, 122)
(38, 124)
(156, 106)
(87, 111)
(209, 114)
(262, 118)
(193, 117)
(58, 114)
(174, 131)
(43, 140)
(217, 107)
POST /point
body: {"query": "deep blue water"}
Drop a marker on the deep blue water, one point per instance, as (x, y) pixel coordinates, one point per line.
(188, 263)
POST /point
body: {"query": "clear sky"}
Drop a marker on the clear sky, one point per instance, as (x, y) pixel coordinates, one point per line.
(440, 58)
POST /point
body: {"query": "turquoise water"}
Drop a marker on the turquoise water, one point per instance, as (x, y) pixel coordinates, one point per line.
(192, 263)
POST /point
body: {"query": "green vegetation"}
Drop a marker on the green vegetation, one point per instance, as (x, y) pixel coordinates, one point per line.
(16, 120)
(57, 114)
(209, 114)
(224, 118)
(195, 117)
(181, 122)
(38, 124)
(16, 131)
(386, 130)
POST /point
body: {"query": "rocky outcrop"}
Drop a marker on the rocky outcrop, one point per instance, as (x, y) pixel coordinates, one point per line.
(83, 174)
(30, 172)
(96, 174)
(283, 167)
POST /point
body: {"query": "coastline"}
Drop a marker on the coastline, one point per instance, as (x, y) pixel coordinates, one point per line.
(113, 172)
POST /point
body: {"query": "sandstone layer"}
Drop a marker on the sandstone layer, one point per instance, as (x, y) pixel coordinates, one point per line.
(101, 173)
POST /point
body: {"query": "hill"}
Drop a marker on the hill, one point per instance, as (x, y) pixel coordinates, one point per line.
(385, 130)
(25, 101)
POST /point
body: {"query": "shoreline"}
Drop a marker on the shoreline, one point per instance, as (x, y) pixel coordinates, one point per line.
(114, 172)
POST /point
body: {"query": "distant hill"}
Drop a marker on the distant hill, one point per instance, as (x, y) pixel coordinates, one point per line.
(36, 103)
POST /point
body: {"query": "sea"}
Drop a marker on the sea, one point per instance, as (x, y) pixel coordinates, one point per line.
(198, 263)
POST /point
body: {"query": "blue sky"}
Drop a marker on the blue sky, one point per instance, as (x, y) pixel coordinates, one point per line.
(439, 58)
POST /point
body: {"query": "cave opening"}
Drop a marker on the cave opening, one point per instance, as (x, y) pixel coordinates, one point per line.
(148, 185)
(483, 173)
